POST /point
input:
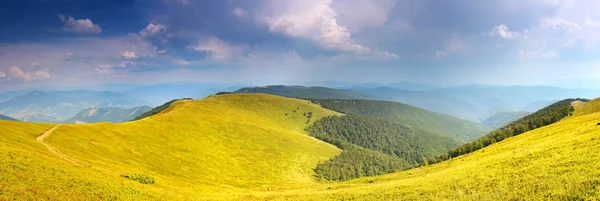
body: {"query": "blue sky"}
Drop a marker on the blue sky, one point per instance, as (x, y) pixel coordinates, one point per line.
(506, 42)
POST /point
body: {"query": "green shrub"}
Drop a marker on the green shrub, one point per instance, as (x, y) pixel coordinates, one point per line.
(144, 179)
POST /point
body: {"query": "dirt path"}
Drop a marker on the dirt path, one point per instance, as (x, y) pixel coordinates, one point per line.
(40, 139)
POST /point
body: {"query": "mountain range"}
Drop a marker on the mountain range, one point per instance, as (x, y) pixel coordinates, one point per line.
(277, 148)
(57, 106)
(109, 114)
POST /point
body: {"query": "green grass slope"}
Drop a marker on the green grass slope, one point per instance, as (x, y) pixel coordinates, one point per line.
(213, 148)
(419, 119)
(555, 162)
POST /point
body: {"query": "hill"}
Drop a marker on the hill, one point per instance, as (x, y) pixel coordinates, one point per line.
(186, 147)
(543, 117)
(555, 162)
(419, 119)
(303, 92)
(374, 146)
(503, 118)
(157, 109)
(57, 106)
(244, 147)
(108, 114)
(2, 117)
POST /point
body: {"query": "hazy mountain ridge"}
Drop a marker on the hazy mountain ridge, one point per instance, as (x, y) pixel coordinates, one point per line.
(53, 106)
(503, 118)
(109, 114)
(304, 92)
(3, 117)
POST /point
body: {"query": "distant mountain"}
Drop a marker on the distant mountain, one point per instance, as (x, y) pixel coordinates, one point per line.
(411, 86)
(57, 106)
(439, 102)
(110, 114)
(304, 92)
(501, 119)
(2, 117)
(161, 93)
(476, 102)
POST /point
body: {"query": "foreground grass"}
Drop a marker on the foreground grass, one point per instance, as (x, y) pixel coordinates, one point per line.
(244, 147)
(215, 148)
(556, 162)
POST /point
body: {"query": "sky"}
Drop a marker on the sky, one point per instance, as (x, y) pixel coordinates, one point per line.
(440, 42)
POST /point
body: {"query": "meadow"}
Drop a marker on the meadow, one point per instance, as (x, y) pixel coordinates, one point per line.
(254, 147)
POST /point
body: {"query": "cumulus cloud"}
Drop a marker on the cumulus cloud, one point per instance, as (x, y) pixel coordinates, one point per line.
(129, 55)
(2, 74)
(18, 73)
(151, 30)
(503, 31)
(358, 14)
(315, 20)
(218, 49)
(239, 12)
(80, 26)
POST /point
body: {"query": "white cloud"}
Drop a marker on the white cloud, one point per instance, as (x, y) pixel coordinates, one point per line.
(558, 23)
(315, 20)
(503, 31)
(2, 75)
(219, 49)
(535, 54)
(181, 62)
(18, 73)
(129, 55)
(80, 26)
(104, 69)
(440, 54)
(358, 14)
(151, 30)
(591, 23)
(453, 45)
(239, 12)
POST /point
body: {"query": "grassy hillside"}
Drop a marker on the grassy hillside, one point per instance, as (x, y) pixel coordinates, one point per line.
(108, 114)
(157, 109)
(245, 147)
(555, 162)
(216, 145)
(543, 117)
(419, 119)
(304, 92)
(503, 118)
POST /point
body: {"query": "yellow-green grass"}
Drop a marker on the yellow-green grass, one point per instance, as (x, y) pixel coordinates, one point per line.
(555, 162)
(243, 147)
(214, 148)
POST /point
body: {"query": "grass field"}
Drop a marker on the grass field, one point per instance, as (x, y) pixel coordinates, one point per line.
(245, 147)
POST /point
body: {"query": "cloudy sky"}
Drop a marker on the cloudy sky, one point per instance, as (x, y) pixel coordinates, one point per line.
(444, 42)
